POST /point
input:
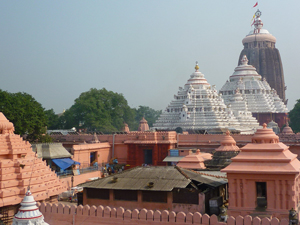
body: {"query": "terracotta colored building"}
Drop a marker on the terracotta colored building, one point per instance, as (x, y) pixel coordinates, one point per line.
(149, 147)
(264, 178)
(90, 153)
(20, 168)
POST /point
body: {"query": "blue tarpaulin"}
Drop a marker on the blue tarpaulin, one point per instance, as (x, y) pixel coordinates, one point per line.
(64, 163)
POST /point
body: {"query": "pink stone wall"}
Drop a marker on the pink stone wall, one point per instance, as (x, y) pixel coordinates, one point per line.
(121, 152)
(59, 214)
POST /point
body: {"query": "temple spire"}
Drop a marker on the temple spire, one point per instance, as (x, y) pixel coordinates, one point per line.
(196, 67)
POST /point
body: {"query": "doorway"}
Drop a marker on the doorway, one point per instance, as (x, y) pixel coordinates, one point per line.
(148, 156)
(93, 157)
(261, 195)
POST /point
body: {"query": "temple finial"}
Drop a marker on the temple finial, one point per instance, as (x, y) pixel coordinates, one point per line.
(196, 67)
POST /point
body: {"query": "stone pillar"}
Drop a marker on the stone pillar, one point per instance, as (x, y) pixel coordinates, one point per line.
(139, 199)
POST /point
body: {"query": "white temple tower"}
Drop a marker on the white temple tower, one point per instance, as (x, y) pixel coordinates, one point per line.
(199, 107)
(246, 90)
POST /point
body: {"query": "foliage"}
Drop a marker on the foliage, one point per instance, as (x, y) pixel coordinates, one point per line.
(53, 121)
(294, 116)
(25, 113)
(99, 110)
(151, 115)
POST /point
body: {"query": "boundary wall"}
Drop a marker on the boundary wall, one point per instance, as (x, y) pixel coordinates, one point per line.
(60, 214)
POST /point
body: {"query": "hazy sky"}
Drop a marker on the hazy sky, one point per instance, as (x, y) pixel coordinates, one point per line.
(144, 49)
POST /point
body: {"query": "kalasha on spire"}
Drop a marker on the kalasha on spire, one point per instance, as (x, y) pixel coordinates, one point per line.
(196, 67)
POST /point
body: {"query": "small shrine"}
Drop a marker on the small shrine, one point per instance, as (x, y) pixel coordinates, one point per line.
(143, 125)
(29, 213)
(287, 130)
(125, 128)
(223, 154)
(264, 178)
(194, 161)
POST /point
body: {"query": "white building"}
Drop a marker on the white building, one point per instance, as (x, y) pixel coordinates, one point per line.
(198, 106)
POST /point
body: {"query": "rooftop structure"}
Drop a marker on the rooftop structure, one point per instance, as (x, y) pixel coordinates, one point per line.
(143, 126)
(287, 130)
(263, 178)
(259, 47)
(194, 161)
(151, 187)
(223, 154)
(29, 213)
(125, 128)
(198, 106)
(246, 91)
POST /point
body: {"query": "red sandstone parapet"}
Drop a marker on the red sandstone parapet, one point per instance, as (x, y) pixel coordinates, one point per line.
(60, 214)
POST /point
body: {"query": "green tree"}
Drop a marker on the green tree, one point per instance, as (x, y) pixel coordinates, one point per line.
(99, 110)
(25, 113)
(53, 121)
(151, 115)
(294, 116)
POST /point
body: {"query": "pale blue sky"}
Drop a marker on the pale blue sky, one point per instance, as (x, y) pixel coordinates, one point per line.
(55, 50)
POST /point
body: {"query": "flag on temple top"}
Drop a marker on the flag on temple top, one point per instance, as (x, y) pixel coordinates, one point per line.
(255, 4)
(253, 20)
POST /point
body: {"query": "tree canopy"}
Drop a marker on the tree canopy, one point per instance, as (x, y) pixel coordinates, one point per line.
(294, 116)
(99, 110)
(25, 113)
(102, 110)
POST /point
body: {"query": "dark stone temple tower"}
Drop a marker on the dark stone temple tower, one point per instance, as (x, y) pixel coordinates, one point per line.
(259, 47)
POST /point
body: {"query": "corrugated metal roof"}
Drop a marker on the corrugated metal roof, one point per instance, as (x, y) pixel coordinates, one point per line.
(138, 178)
(209, 179)
(172, 158)
(51, 151)
(165, 178)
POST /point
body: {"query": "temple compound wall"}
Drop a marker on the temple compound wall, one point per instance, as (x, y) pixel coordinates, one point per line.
(60, 214)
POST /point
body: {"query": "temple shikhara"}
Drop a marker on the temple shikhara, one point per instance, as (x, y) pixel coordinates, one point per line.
(198, 106)
(210, 158)
(259, 47)
(20, 168)
(247, 91)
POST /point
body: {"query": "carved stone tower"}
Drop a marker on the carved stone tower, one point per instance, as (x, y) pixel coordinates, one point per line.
(259, 47)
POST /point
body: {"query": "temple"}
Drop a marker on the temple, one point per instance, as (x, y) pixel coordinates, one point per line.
(223, 154)
(259, 47)
(20, 168)
(198, 106)
(246, 91)
(263, 178)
